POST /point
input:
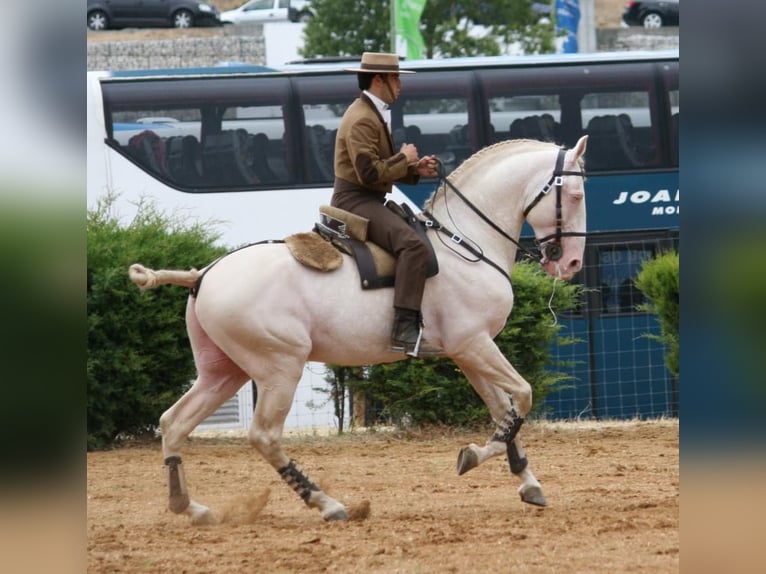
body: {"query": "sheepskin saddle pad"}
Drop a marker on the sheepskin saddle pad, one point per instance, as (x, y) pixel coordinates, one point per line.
(313, 251)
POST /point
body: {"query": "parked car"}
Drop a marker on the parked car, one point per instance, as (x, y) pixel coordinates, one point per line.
(650, 13)
(104, 14)
(260, 11)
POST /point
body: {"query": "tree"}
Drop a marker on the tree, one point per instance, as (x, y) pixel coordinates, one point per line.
(339, 379)
(347, 28)
(449, 29)
(484, 28)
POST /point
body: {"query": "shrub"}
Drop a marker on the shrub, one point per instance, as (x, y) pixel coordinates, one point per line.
(658, 280)
(428, 391)
(139, 360)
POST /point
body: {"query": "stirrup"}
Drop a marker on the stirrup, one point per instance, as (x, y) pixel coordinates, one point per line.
(416, 349)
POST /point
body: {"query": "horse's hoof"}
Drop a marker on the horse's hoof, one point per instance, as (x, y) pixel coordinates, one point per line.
(533, 495)
(204, 519)
(336, 514)
(466, 460)
(200, 514)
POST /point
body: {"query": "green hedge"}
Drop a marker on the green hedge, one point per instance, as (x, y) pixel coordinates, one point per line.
(139, 360)
(658, 280)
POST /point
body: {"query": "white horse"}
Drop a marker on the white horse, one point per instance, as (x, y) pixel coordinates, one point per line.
(261, 315)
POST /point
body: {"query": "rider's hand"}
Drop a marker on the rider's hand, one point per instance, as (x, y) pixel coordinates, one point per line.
(427, 166)
(410, 151)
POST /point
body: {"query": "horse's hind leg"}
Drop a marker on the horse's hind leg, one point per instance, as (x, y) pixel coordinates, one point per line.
(274, 401)
(218, 380)
(509, 418)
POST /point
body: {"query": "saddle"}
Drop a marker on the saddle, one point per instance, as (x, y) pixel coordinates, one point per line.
(346, 232)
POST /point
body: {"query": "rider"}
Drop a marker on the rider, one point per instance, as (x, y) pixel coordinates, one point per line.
(366, 167)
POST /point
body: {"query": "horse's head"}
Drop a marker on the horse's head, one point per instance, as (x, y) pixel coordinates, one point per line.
(557, 214)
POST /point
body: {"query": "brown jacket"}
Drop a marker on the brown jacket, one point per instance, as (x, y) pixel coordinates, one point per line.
(364, 151)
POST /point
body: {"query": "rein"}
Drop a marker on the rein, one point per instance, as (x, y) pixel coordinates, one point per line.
(548, 249)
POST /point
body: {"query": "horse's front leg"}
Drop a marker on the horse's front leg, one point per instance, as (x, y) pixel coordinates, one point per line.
(497, 383)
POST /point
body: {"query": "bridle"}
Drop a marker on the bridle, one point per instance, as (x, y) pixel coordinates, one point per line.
(549, 246)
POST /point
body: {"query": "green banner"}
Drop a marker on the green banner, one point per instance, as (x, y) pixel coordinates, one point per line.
(407, 20)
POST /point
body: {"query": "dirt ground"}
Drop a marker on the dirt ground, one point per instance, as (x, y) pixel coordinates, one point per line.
(612, 489)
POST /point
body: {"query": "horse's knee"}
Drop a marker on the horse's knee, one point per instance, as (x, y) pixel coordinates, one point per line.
(265, 442)
(172, 424)
(169, 440)
(522, 399)
(165, 419)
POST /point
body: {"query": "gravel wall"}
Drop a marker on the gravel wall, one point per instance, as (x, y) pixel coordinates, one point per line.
(177, 53)
(248, 46)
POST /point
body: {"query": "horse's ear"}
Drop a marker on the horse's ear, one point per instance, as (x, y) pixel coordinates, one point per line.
(579, 149)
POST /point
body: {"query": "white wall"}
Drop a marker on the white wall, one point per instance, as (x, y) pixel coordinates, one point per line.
(282, 39)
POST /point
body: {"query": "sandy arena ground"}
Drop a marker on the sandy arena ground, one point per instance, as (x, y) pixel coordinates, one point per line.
(612, 489)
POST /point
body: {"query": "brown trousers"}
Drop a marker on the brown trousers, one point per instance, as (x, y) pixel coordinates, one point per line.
(392, 233)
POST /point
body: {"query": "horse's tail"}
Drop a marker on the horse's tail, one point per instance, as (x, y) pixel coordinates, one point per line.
(147, 278)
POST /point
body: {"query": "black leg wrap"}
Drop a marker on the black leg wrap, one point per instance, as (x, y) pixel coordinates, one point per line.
(509, 426)
(178, 497)
(298, 481)
(516, 462)
(506, 432)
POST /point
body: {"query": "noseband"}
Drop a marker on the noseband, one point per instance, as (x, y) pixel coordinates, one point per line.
(549, 246)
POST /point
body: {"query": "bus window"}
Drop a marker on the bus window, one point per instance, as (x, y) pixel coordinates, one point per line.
(669, 71)
(673, 96)
(434, 112)
(260, 132)
(202, 134)
(437, 126)
(323, 104)
(527, 116)
(619, 127)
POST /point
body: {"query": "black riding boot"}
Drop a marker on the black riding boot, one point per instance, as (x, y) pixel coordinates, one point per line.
(407, 335)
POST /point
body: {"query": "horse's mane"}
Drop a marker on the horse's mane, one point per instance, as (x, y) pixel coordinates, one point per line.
(530, 145)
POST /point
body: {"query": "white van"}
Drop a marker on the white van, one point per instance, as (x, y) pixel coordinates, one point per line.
(262, 11)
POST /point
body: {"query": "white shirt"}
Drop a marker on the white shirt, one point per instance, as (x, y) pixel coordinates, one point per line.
(382, 108)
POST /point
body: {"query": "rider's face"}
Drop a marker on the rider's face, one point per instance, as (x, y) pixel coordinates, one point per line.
(394, 84)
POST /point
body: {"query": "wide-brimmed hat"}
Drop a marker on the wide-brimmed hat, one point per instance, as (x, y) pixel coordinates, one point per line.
(379, 63)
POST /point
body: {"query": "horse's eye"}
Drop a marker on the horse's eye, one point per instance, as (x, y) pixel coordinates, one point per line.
(552, 251)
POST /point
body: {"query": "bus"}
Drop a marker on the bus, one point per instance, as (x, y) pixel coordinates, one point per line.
(252, 148)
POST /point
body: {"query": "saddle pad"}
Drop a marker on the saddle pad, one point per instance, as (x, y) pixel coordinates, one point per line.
(314, 251)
